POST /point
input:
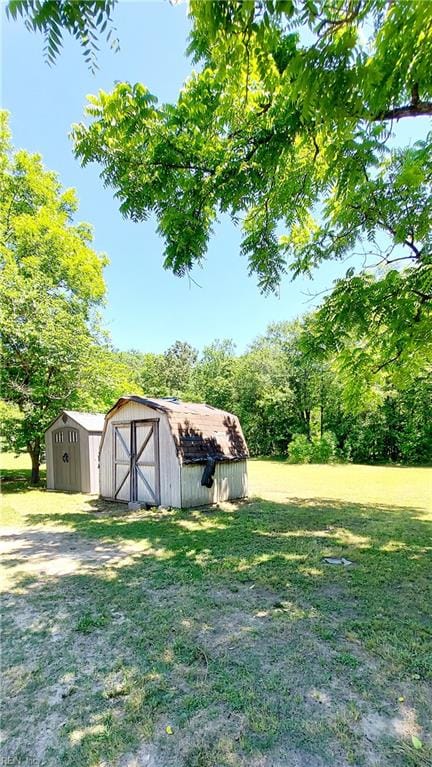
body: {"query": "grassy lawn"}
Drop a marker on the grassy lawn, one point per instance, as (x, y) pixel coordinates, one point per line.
(220, 638)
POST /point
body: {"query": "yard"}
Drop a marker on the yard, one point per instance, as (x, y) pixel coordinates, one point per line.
(221, 637)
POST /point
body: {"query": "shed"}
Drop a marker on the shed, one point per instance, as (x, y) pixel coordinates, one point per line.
(171, 453)
(72, 451)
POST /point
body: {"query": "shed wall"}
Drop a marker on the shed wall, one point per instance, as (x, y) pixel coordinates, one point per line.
(230, 481)
(84, 458)
(93, 447)
(169, 464)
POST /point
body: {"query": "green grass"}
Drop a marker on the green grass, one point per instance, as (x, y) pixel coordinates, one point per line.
(223, 625)
(89, 622)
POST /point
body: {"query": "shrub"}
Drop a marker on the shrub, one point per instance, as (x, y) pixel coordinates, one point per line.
(324, 449)
(300, 449)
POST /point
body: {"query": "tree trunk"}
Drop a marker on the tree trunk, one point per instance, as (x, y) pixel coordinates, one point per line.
(307, 419)
(34, 451)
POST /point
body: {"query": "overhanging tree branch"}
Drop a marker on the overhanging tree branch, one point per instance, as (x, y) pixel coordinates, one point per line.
(419, 109)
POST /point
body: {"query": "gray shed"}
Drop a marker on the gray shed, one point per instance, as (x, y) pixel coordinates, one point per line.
(171, 453)
(72, 451)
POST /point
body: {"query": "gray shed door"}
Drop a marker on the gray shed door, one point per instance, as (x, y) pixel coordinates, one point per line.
(136, 462)
(66, 459)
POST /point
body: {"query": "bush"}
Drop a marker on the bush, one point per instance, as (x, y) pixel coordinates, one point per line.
(322, 450)
(299, 449)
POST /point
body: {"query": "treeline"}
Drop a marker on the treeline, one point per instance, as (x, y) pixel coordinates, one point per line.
(291, 402)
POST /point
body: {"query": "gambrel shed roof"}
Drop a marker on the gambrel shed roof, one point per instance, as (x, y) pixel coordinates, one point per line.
(199, 431)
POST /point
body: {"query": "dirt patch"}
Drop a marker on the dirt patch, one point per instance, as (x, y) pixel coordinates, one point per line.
(402, 726)
(291, 757)
(51, 553)
(210, 737)
(146, 756)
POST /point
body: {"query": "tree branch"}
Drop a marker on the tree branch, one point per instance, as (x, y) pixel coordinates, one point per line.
(415, 109)
(387, 362)
(424, 296)
(334, 24)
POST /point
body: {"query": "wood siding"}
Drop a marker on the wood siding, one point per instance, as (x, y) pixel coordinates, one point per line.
(169, 466)
(230, 482)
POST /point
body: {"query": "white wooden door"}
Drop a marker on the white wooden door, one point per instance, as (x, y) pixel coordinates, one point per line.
(146, 461)
(122, 461)
(136, 462)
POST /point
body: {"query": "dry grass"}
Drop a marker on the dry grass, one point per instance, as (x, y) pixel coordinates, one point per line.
(219, 637)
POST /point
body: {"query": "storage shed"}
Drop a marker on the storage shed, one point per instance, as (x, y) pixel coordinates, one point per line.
(72, 451)
(171, 453)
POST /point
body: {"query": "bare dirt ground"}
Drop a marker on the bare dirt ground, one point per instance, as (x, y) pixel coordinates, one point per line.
(44, 551)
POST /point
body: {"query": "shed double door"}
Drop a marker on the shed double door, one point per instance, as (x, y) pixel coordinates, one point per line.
(136, 462)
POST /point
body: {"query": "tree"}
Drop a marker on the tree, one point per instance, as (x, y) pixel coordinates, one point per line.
(214, 375)
(81, 18)
(288, 125)
(263, 404)
(164, 375)
(105, 375)
(179, 360)
(281, 128)
(379, 325)
(298, 391)
(415, 423)
(260, 33)
(53, 355)
(152, 375)
(43, 342)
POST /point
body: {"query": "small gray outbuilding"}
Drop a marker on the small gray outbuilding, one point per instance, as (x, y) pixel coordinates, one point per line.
(72, 443)
(162, 451)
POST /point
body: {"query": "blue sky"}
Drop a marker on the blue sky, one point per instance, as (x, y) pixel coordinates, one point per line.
(147, 308)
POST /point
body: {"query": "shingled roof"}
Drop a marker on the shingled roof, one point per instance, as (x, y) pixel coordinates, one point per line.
(199, 430)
